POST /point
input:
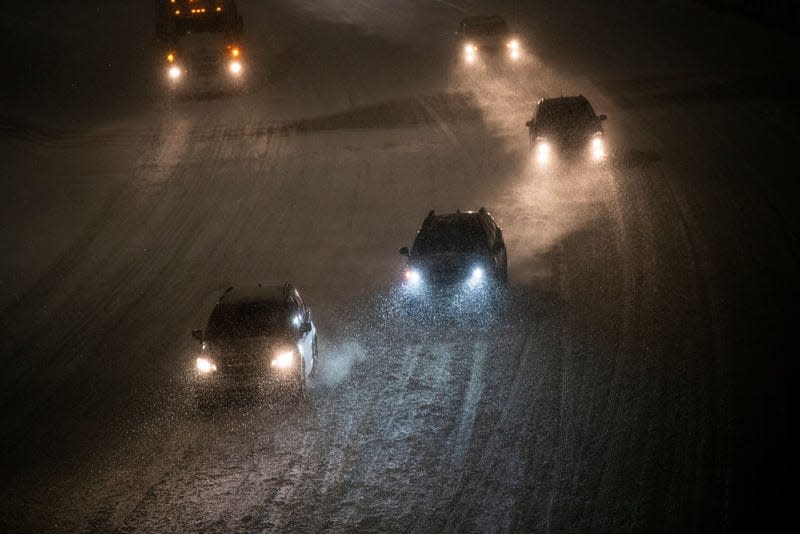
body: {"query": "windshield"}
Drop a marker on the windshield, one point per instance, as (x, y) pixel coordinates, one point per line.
(252, 319)
(576, 114)
(205, 24)
(487, 29)
(442, 237)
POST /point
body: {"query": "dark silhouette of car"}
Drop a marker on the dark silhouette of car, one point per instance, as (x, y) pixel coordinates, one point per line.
(257, 339)
(463, 250)
(487, 38)
(566, 127)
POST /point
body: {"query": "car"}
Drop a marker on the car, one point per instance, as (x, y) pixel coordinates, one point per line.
(487, 38)
(201, 44)
(257, 339)
(566, 127)
(464, 251)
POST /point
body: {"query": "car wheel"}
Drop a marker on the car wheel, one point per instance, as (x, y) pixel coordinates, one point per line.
(300, 387)
(314, 359)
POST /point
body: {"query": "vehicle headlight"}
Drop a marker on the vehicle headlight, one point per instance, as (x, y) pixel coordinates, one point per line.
(205, 366)
(284, 359)
(412, 276)
(235, 67)
(174, 72)
(598, 147)
(513, 44)
(476, 276)
(543, 150)
(470, 49)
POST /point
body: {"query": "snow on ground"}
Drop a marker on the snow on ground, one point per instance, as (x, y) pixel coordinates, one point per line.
(604, 397)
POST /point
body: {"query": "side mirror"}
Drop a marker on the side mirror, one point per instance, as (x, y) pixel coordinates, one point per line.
(197, 334)
(404, 251)
(305, 328)
(529, 124)
(602, 117)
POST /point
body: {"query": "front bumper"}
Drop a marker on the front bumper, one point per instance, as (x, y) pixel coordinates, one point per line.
(222, 384)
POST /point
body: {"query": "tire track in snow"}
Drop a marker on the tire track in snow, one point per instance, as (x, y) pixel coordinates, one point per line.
(469, 407)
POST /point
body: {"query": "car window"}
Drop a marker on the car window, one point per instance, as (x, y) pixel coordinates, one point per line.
(451, 236)
(487, 29)
(300, 307)
(252, 319)
(564, 114)
(491, 230)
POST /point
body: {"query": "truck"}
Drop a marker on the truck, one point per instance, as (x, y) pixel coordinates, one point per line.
(201, 44)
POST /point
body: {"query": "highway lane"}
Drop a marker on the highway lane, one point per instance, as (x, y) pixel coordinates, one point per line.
(611, 395)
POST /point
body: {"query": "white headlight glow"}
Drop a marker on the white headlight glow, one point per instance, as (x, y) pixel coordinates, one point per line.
(205, 366)
(476, 277)
(284, 359)
(542, 151)
(598, 148)
(235, 67)
(174, 72)
(412, 276)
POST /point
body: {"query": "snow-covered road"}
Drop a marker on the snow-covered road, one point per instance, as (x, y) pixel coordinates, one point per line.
(623, 387)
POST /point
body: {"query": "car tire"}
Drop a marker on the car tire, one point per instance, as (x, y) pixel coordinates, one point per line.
(300, 387)
(314, 359)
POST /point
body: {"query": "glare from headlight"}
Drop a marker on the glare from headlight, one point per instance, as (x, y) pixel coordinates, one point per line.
(470, 51)
(412, 276)
(598, 148)
(284, 360)
(174, 72)
(513, 44)
(205, 366)
(542, 151)
(476, 276)
(235, 68)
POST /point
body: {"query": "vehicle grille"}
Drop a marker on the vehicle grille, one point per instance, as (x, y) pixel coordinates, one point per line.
(205, 64)
(243, 366)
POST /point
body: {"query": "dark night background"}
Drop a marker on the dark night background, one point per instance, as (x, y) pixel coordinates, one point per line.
(638, 381)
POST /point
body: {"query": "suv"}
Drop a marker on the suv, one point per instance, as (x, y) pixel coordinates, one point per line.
(456, 249)
(260, 337)
(486, 38)
(569, 126)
